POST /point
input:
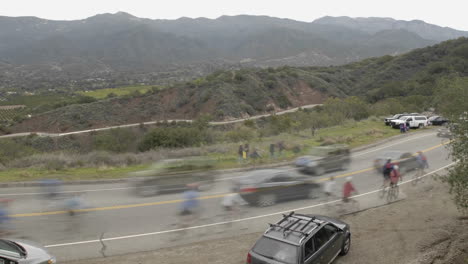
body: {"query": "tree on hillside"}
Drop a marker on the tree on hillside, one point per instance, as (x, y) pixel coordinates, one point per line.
(453, 102)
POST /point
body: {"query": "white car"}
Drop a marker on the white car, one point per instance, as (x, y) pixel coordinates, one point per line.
(411, 121)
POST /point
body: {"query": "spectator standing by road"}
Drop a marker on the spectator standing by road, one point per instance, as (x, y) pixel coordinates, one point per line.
(272, 150)
(280, 148)
(240, 153)
(246, 151)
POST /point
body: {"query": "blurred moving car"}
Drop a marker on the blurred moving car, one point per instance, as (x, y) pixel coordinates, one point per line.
(24, 252)
(302, 239)
(174, 175)
(267, 187)
(438, 121)
(325, 158)
(405, 160)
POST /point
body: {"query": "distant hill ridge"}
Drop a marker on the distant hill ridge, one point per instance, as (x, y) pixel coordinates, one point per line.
(114, 49)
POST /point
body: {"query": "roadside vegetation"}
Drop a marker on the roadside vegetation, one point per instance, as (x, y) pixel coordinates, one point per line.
(118, 91)
(114, 153)
(454, 104)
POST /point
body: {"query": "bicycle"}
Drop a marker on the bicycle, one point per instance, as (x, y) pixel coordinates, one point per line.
(393, 192)
(383, 190)
(418, 176)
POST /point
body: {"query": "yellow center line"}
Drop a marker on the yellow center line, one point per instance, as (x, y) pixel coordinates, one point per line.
(116, 207)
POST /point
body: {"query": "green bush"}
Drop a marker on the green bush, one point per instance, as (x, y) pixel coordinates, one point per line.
(171, 137)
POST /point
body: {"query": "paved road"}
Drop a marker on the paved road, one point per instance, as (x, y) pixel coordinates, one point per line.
(132, 224)
(214, 123)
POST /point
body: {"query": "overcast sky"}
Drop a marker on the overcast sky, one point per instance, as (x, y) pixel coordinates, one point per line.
(451, 13)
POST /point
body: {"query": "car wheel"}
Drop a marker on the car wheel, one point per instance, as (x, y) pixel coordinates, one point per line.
(346, 246)
(319, 171)
(266, 200)
(420, 126)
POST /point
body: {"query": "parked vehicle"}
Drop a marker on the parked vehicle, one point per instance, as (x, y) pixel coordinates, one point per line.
(325, 158)
(174, 175)
(406, 161)
(416, 121)
(267, 187)
(302, 239)
(389, 119)
(24, 252)
(438, 121)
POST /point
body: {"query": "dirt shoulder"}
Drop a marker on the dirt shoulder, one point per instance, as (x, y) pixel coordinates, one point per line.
(424, 228)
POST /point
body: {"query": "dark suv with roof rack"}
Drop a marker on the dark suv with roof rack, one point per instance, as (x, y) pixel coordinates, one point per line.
(302, 239)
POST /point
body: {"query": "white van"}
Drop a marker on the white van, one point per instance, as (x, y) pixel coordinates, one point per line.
(411, 121)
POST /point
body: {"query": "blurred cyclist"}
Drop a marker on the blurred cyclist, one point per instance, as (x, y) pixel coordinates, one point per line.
(74, 203)
(423, 164)
(348, 190)
(232, 204)
(395, 176)
(328, 188)
(51, 188)
(5, 219)
(190, 204)
(386, 170)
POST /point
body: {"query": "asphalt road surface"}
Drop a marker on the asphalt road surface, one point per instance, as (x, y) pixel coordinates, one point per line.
(133, 224)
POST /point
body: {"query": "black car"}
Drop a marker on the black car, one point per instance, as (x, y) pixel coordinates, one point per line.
(267, 187)
(439, 121)
(325, 158)
(302, 239)
(405, 160)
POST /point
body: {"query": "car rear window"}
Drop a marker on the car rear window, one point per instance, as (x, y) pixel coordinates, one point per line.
(276, 250)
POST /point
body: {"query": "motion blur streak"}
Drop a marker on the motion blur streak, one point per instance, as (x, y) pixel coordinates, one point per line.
(233, 221)
(179, 201)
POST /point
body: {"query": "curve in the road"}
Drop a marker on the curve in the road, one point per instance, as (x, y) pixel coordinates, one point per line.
(117, 207)
(232, 221)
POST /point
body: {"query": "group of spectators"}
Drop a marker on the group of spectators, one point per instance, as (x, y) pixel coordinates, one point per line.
(244, 153)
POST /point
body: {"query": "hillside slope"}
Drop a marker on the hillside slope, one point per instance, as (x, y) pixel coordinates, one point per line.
(120, 48)
(233, 94)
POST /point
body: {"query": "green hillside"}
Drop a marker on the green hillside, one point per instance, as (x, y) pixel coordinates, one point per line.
(247, 92)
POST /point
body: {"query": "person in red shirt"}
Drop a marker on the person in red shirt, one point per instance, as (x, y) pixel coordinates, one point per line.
(348, 189)
(395, 175)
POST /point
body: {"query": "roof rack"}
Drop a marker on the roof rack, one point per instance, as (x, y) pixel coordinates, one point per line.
(289, 227)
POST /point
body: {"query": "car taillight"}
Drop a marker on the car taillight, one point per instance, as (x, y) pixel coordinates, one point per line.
(249, 259)
(248, 190)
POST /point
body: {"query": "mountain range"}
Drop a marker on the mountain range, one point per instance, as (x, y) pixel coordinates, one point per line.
(114, 49)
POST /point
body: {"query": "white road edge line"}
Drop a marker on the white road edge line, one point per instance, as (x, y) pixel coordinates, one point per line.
(233, 221)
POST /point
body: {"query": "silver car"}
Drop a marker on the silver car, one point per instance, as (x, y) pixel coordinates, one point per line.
(23, 252)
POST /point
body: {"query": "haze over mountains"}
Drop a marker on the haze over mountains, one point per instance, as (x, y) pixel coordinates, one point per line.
(120, 48)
